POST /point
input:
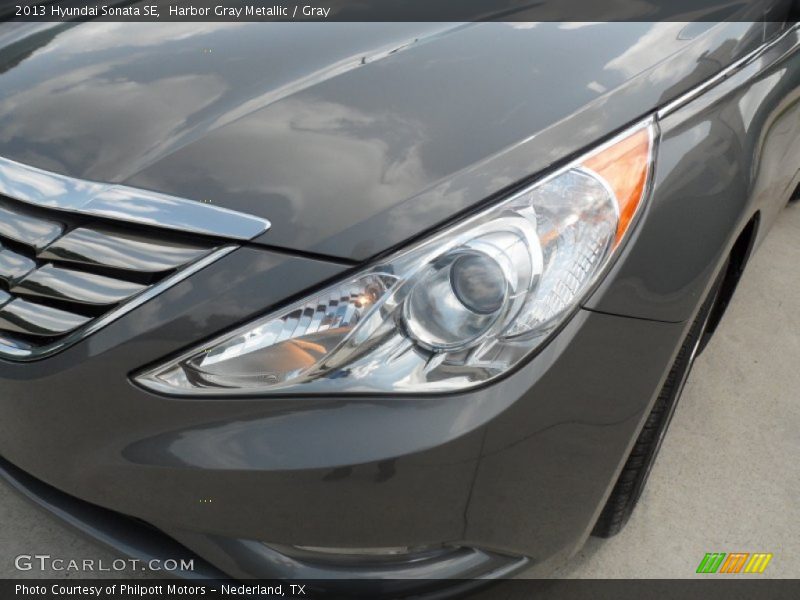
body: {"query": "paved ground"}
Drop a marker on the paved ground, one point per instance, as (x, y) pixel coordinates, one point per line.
(727, 476)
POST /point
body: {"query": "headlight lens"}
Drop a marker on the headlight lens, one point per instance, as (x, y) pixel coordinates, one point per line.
(449, 313)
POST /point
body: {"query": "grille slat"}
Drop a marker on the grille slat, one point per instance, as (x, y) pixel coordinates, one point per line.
(125, 251)
(28, 318)
(76, 286)
(14, 266)
(28, 230)
(65, 275)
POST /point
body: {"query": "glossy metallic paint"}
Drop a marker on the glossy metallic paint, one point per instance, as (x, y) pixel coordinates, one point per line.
(348, 138)
(349, 163)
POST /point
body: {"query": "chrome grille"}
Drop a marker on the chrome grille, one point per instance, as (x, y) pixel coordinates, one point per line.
(64, 275)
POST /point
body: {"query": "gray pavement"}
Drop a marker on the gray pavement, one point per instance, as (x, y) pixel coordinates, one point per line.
(727, 478)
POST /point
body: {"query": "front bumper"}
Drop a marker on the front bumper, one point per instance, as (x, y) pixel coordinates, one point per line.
(517, 469)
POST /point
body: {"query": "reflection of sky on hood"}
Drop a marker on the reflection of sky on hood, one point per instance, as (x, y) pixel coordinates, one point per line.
(85, 88)
(315, 126)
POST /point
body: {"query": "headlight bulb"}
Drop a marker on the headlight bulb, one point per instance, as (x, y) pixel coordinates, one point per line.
(479, 283)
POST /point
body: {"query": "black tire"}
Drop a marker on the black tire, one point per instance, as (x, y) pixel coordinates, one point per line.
(633, 478)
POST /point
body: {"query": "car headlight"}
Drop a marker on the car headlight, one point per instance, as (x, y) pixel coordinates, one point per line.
(451, 312)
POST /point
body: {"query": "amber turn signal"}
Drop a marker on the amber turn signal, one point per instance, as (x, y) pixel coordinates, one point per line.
(625, 167)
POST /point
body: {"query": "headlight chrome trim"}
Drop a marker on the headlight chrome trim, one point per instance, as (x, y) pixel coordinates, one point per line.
(439, 244)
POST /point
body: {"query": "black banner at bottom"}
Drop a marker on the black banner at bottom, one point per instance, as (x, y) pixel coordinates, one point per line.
(705, 588)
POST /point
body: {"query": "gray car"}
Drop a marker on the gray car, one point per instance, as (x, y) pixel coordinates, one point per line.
(371, 301)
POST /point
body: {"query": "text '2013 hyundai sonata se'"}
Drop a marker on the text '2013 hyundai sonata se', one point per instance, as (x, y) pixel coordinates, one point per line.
(371, 300)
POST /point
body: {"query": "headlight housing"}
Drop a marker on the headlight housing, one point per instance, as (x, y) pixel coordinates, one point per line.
(451, 312)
